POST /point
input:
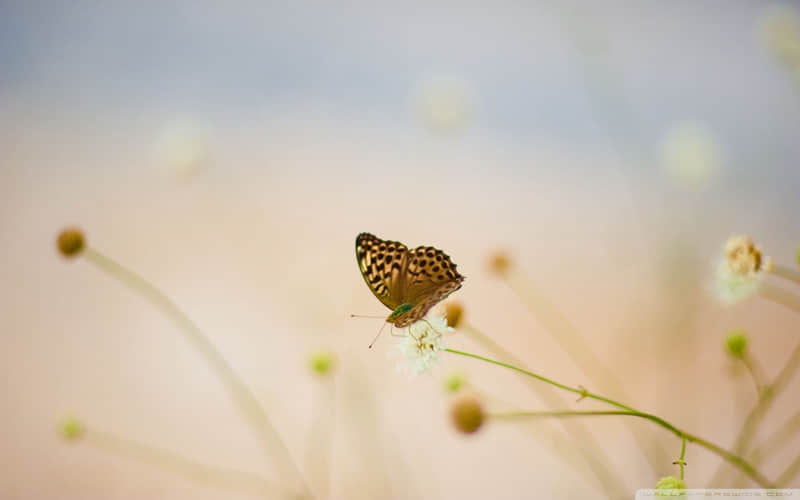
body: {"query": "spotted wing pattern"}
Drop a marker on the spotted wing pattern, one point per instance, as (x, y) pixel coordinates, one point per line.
(421, 277)
(381, 264)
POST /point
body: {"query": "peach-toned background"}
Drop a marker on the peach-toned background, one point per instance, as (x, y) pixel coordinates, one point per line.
(231, 155)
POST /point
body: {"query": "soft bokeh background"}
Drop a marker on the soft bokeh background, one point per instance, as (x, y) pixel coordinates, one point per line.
(232, 153)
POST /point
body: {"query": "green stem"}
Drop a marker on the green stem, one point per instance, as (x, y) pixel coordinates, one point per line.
(627, 410)
(681, 462)
(270, 439)
(593, 454)
(580, 391)
(567, 335)
(786, 273)
(191, 469)
(748, 430)
(748, 469)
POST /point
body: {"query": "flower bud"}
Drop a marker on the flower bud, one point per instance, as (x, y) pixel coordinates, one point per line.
(322, 363)
(467, 415)
(70, 242)
(72, 429)
(736, 343)
(453, 313)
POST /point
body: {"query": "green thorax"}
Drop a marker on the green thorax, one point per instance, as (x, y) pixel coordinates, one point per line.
(399, 311)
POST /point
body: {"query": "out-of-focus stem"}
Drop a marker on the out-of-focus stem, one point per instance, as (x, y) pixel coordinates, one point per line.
(595, 456)
(573, 343)
(271, 441)
(228, 479)
(734, 459)
(320, 443)
(756, 373)
(748, 430)
(787, 475)
(780, 296)
(777, 439)
(786, 273)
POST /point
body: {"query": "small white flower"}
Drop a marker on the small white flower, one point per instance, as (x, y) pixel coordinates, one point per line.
(690, 154)
(445, 103)
(422, 344)
(740, 272)
(182, 148)
(781, 29)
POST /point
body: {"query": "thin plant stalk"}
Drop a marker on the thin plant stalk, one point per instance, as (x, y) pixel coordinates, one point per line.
(780, 296)
(748, 430)
(756, 373)
(573, 343)
(789, 473)
(595, 456)
(228, 479)
(320, 444)
(255, 414)
(786, 273)
(780, 437)
(733, 458)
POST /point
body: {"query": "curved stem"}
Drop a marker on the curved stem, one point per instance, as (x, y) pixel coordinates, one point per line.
(228, 479)
(748, 469)
(781, 296)
(748, 430)
(580, 391)
(788, 474)
(777, 439)
(592, 453)
(270, 439)
(627, 410)
(570, 339)
(786, 273)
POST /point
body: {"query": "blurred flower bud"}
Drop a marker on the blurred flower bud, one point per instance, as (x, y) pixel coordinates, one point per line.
(70, 242)
(454, 382)
(72, 429)
(467, 414)
(453, 313)
(499, 263)
(322, 363)
(736, 343)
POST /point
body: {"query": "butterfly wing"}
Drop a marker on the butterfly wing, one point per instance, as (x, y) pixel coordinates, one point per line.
(429, 277)
(381, 263)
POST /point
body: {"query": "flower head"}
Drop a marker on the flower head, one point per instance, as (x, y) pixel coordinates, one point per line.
(70, 242)
(422, 343)
(741, 270)
(467, 414)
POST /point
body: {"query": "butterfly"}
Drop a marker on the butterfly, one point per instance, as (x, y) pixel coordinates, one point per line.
(409, 282)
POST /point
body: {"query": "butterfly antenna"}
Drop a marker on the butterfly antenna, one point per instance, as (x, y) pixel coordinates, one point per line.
(365, 316)
(378, 335)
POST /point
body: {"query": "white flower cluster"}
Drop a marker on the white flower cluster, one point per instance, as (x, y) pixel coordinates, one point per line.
(422, 343)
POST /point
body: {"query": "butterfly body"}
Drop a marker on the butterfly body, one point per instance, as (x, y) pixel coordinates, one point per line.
(407, 281)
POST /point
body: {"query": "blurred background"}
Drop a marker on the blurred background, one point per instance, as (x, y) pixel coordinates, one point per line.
(230, 154)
